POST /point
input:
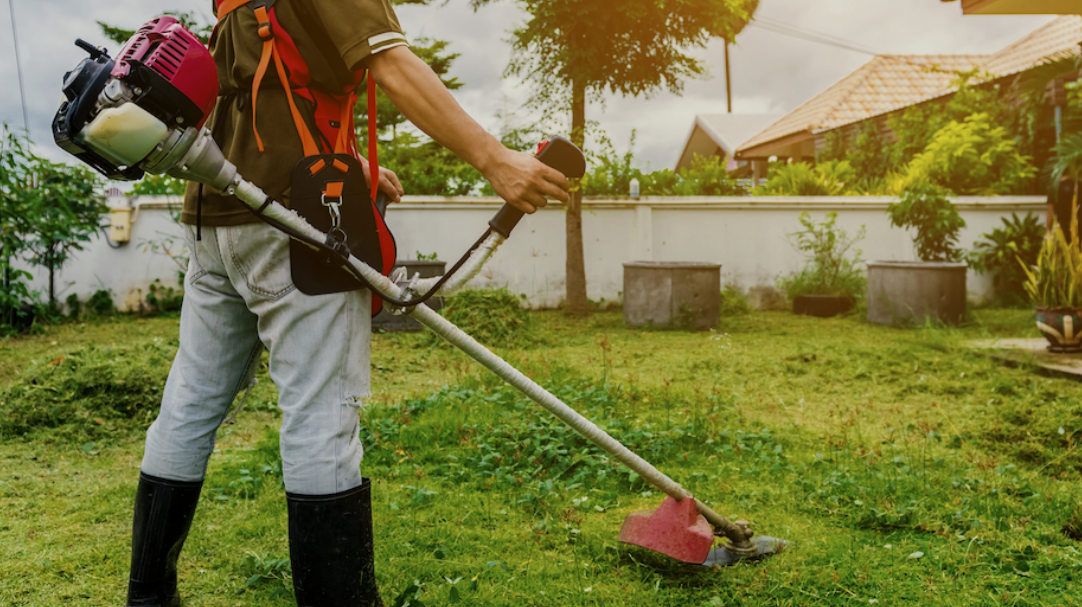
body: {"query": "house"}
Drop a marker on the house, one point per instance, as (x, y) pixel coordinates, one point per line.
(720, 135)
(1021, 7)
(891, 83)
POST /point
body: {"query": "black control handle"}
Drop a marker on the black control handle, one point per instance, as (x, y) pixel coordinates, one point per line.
(558, 153)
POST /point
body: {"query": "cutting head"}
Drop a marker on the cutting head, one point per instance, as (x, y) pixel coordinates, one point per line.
(677, 530)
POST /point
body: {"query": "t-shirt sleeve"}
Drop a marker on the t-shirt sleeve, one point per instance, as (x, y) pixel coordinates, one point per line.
(360, 28)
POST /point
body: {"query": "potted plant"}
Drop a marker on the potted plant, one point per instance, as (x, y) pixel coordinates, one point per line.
(831, 280)
(935, 286)
(1055, 282)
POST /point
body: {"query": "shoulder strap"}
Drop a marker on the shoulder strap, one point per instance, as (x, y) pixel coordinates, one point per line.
(270, 51)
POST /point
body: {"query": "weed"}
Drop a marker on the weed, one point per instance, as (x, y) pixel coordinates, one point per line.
(268, 573)
(162, 298)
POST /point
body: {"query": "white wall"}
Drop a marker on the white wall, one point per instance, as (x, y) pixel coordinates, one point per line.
(745, 235)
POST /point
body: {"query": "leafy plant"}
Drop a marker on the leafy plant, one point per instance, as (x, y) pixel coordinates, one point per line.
(162, 298)
(832, 178)
(830, 268)
(706, 177)
(100, 304)
(429, 257)
(1001, 251)
(1056, 280)
(974, 156)
(159, 185)
(928, 209)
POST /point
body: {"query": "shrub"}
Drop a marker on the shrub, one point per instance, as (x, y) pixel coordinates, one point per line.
(829, 269)
(733, 302)
(92, 391)
(706, 177)
(491, 316)
(833, 178)
(1006, 252)
(973, 157)
(928, 209)
(1056, 280)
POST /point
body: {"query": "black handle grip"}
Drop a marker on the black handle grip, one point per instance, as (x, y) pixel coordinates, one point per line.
(558, 153)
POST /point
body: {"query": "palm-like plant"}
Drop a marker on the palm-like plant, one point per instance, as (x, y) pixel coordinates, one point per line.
(1056, 281)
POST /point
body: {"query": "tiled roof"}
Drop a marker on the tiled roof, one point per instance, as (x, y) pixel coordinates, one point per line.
(891, 82)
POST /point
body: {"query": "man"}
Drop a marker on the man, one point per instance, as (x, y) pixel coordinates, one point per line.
(239, 297)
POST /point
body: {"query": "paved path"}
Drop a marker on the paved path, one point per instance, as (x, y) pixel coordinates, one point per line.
(1031, 352)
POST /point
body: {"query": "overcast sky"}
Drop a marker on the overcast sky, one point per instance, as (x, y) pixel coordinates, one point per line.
(772, 73)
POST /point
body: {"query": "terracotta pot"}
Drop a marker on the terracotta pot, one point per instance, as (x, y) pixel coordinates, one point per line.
(823, 306)
(1062, 327)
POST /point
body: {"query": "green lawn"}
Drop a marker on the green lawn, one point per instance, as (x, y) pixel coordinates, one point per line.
(904, 468)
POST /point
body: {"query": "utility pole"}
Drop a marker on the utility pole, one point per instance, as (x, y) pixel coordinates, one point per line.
(728, 80)
(19, 66)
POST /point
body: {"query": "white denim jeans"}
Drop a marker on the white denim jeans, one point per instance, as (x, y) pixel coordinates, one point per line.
(239, 297)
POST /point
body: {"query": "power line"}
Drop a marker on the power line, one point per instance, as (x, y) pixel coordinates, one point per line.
(19, 65)
(809, 35)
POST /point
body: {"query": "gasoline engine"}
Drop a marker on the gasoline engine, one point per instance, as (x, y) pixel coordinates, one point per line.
(144, 111)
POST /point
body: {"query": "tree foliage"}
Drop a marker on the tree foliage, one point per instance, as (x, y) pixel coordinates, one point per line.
(572, 50)
(611, 174)
(636, 47)
(66, 209)
(15, 217)
(973, 157)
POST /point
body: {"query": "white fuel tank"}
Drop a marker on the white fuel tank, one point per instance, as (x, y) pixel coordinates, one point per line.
(123, 135)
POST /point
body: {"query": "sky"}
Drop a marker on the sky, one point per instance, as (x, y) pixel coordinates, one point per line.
(771, 72)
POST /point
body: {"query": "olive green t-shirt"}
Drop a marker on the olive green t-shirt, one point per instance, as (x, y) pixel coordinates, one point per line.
(354, 30)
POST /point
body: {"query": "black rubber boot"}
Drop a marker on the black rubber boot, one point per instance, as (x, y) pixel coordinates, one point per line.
(331, 549)
(163, 516)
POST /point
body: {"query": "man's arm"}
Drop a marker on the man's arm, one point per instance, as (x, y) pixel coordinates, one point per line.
(418, 93)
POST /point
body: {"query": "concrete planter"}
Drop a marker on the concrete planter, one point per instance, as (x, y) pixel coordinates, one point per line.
(676, 294)
(901, 292)
(823, 306)
(387, 322)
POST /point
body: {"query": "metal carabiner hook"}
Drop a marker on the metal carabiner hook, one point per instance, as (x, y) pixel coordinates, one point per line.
(332, 208)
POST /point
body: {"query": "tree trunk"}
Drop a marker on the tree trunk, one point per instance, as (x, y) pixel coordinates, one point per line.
(577, 303)
(52, 273)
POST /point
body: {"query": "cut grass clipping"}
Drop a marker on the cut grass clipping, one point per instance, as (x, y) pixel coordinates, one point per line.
(91, 392)
(491, 316)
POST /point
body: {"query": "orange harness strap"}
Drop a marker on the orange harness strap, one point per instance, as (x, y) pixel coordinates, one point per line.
(345, 129)
(270, 51)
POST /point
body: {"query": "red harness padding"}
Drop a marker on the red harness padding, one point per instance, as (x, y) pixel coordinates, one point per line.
(331, 109)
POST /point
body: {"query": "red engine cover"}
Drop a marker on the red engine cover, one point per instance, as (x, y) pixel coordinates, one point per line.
(166, 47)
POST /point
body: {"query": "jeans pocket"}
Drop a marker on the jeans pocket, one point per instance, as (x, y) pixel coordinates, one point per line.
(260, 254)
(195, 268)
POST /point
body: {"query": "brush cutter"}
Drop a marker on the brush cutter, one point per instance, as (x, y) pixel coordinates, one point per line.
(144, 113)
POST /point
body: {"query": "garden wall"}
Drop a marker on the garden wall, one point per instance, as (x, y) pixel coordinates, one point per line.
(746, 235)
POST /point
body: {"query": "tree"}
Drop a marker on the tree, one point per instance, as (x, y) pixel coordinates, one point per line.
(64, 212)
(573, 50)
(194, 24)
(14, 224)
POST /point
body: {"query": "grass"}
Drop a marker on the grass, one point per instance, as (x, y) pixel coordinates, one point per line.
(904, 468)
